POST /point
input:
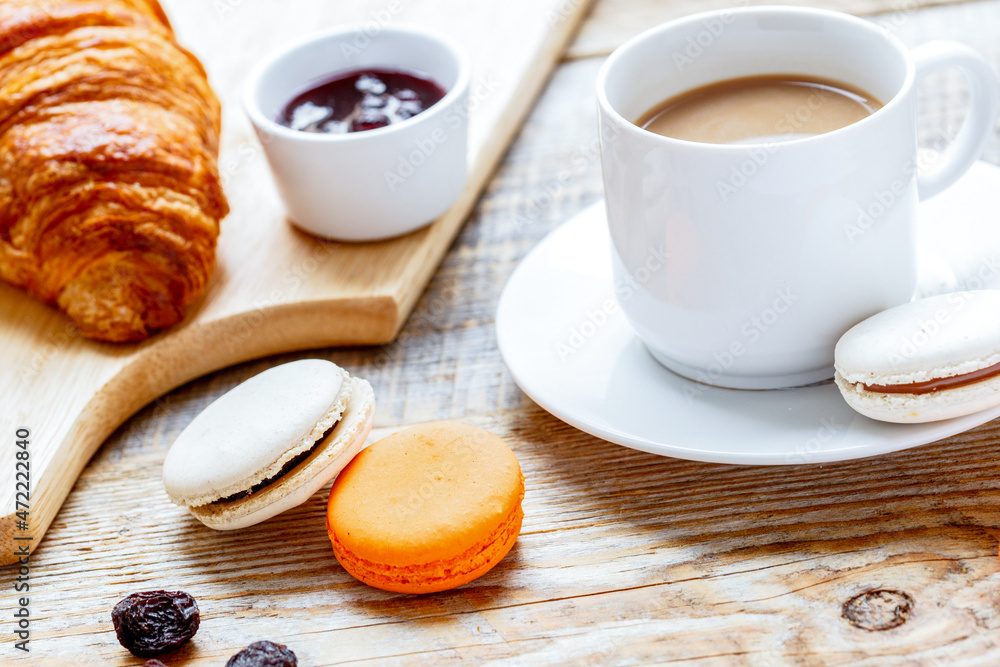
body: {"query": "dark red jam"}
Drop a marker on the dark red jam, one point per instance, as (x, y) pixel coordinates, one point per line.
(360, 100)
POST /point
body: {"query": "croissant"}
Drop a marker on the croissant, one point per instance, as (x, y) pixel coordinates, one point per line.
(110, 198)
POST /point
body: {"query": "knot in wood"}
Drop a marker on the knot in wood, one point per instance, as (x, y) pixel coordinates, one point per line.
(878, 610)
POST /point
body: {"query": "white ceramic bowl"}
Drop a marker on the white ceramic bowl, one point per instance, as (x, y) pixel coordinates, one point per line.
(376, 184)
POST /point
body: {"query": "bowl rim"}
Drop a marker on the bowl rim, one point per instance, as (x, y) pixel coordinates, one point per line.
(271, 127)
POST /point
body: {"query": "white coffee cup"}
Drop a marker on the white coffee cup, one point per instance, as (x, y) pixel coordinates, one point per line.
(740, 265)
(365, 186)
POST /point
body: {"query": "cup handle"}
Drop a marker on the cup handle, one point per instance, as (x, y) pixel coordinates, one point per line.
(970, 143)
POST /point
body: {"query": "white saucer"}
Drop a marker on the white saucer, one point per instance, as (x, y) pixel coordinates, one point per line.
(586, 367)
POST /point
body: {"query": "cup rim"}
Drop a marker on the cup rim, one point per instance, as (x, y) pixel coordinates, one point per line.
(273, 128)
(610, 111)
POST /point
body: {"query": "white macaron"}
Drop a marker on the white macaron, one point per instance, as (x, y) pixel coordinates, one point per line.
(926, 360)
(269, 444)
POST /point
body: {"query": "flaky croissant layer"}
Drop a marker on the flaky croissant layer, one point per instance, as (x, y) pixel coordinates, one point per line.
(110, 199)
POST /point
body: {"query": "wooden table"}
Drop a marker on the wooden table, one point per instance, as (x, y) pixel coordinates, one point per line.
(624, 557)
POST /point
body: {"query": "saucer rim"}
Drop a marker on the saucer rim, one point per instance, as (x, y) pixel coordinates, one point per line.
(892, 437)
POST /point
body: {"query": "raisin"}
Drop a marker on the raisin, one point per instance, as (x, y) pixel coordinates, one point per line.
(153, 622)
(264, 654)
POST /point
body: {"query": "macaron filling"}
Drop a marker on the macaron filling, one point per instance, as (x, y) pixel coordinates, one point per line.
(288, 466)
(926, 360)
(332, 451)
(269, 444)
(292, 456)
(937, 384)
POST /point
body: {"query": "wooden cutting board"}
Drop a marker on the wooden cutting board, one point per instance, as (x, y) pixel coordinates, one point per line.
(275, 289)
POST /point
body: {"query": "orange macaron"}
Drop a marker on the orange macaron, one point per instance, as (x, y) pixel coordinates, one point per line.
(426, 509)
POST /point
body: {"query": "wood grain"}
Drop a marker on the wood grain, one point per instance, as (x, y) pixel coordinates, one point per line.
(624, 559)
(275, 288)
(616, 21)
